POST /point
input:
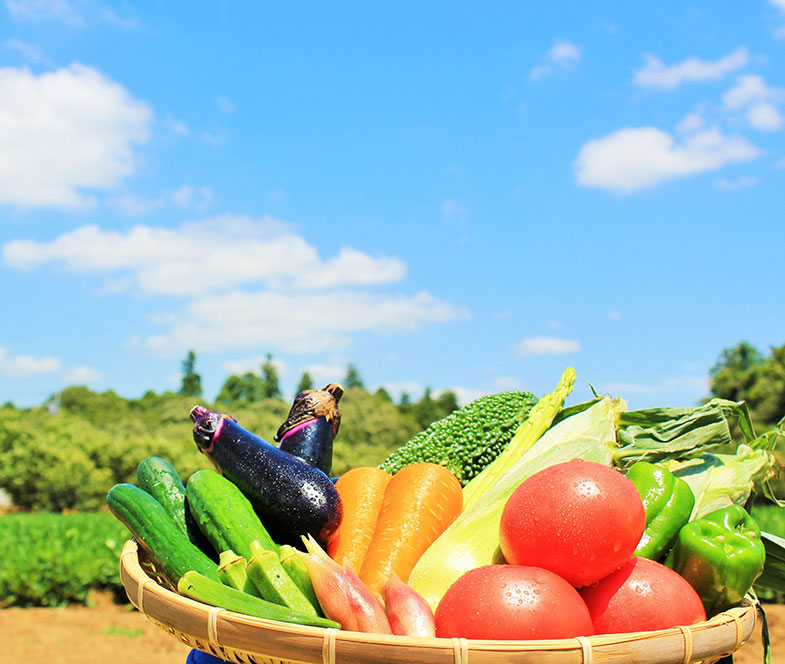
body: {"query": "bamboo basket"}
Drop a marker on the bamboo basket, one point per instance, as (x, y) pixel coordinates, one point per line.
(247, 640)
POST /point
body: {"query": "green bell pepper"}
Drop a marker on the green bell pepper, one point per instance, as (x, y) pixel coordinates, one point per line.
(667, 501)
(720, 554)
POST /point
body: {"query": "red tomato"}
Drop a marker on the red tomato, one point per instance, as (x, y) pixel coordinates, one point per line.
(512, 602)
(642, 595)
(579, 519)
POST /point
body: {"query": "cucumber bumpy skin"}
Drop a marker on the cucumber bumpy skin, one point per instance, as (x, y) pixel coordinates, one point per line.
(224, 515)
(170, 550)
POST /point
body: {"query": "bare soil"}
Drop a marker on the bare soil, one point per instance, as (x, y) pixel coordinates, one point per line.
(111, 633)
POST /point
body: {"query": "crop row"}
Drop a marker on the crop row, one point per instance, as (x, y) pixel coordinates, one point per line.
(51, 559)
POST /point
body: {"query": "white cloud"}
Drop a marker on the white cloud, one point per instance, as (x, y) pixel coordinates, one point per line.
(132, 204)
(65, 131)
(655, 74)
(82, 376)
(614, 314)
(697, 385)
(226, 106)
(193, 198)
(739, 183)
(750, 89)
(26, 366)
(254, 365)
(635, 158)
(29, 51)
(297, 323)
(40, 11)
(546, 346)
(764, 116)
(563, 54)
(779, 4)
(321, 374)
(186, 197)
(691, 122)
(201, 257)
(176, 126)
(754, 96)
(71, 14)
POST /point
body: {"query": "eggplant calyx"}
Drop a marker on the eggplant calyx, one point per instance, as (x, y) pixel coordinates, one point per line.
(311, 405)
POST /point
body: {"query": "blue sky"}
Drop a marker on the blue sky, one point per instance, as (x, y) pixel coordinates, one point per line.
(442, 194)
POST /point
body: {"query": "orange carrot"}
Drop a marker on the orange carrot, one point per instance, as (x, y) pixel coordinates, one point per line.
(361, 490)
(421, 500)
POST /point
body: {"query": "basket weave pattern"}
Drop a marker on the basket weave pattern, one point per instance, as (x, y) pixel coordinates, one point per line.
(247, 640)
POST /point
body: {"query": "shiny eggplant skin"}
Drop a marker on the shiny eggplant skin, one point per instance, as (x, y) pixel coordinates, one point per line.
(291, 497)
(312, 425)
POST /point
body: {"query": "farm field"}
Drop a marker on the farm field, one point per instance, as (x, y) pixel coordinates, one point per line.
(116, 633)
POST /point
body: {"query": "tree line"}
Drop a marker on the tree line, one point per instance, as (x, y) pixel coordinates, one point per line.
(250, 387)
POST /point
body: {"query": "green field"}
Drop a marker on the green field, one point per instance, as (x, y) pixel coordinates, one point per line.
(50, 559)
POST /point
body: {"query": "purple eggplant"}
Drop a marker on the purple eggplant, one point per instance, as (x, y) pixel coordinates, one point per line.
(312, 425)
(291, 497)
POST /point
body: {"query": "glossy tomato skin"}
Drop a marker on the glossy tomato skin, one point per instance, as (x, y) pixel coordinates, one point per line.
(642, 595)
(579, 519)
(511, 602)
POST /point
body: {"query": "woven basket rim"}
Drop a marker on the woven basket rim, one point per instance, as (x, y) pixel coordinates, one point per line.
(166, 608)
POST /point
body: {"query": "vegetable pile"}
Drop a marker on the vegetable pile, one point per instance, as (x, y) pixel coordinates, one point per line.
(512, 518)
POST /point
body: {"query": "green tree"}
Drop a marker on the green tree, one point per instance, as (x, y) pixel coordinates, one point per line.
(424, 410)
(306, 383)
(743, 373)
(352, 378)
(446, 403)
(192, 381)
(270, 387)
(383, 395)
(236, 389)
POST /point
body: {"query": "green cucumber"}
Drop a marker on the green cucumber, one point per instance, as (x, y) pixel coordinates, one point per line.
(225, 515)
(159, 478)
(162, 481)
(170, 550)
(203, 589)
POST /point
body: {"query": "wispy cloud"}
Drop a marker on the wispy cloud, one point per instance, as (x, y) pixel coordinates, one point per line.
(779, 31)
(697, 386)
(296, 322)
(71, 14)
(739, 183)
(41, 11)
(546, 346)
(63, 132)
(185, 197)
(753, 96)
(26, 366)
(228, 107)
(82, 376)
(176, 126)
(630, 159)
(655, 74)
(200, 257)
(562, 55)
(28, 51)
